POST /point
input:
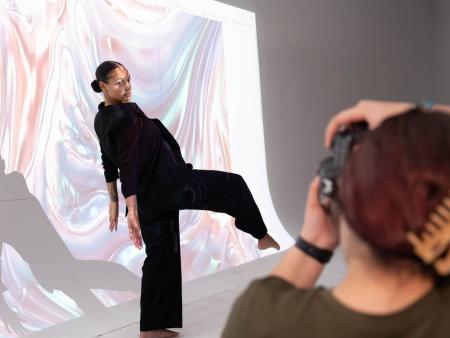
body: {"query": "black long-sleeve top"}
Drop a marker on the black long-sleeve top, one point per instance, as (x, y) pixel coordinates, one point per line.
(144, 152)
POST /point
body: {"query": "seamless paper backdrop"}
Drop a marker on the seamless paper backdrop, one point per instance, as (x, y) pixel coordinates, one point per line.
(194, 65)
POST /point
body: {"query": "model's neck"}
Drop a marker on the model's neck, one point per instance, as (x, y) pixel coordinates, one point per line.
(110, 101)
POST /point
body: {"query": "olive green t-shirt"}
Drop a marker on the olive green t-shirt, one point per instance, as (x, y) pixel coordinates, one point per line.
(272, 308)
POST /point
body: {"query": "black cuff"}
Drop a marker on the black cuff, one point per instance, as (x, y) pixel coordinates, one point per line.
(321, 255)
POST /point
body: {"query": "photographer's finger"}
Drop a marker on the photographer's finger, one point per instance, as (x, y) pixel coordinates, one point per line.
(313, 193)
(342, 119)
(442, 108)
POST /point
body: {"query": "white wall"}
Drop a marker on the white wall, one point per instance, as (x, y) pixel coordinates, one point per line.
(442, 50)
(319, 56)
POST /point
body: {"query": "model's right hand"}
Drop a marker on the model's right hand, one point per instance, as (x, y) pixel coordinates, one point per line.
(134, 228)
(373, 112)
(113, 215)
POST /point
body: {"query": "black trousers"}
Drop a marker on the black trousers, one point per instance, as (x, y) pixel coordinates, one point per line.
(161, 298)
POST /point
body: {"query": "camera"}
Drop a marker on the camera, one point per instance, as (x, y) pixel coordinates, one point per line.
(331, 166)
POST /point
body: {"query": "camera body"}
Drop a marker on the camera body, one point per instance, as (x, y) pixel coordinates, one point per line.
(330, 167)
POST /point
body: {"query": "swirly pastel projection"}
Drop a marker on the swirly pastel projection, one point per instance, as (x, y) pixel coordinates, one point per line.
(194, 68)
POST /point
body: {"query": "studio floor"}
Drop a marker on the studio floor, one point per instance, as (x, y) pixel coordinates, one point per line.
(207, 303)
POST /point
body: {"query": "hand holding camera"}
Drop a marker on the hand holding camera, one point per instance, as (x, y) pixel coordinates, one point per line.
(330, 167)
(343, 132)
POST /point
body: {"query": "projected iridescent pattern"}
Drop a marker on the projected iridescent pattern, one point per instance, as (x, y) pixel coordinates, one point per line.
(49, 52)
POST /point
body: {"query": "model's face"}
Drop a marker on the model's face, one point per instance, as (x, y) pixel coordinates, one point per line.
(118, 87)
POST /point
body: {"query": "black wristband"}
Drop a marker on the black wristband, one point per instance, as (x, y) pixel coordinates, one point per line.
(321, 255)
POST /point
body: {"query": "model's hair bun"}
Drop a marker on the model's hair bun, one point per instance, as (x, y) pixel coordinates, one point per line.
(96, 86)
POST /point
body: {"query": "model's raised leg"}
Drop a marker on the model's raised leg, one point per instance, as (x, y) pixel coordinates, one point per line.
(228, 193)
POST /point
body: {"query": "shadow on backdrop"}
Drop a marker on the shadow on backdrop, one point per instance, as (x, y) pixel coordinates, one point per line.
(26, 228)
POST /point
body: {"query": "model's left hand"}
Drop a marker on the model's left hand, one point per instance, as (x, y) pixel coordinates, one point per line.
(134, 228)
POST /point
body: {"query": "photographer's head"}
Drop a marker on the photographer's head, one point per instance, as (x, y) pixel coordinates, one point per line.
(395, 178)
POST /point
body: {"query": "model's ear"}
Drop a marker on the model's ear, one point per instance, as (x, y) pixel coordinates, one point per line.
(102, 85)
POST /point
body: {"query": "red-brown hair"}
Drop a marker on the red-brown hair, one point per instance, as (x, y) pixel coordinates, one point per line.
(395, 178)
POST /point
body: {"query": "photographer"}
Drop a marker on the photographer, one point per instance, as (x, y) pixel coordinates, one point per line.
(391, 217)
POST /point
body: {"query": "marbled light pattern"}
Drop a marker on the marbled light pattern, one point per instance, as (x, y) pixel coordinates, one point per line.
(49, 52)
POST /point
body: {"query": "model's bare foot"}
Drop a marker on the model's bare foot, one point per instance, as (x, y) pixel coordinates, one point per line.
(268, 242)
(158, 334)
